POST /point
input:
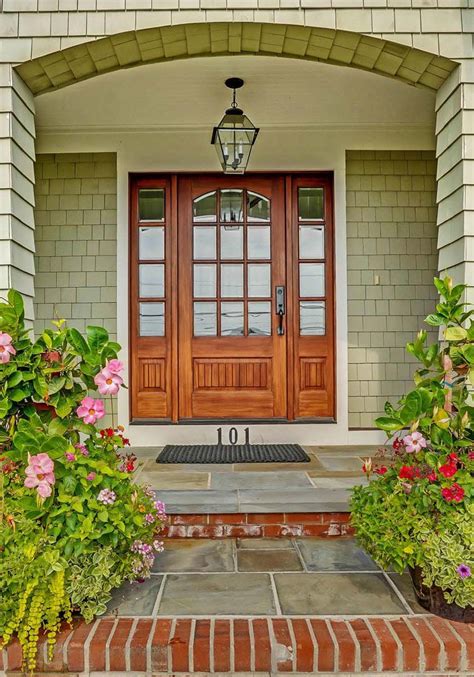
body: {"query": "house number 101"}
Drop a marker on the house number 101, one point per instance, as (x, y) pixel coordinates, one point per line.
(233, 436)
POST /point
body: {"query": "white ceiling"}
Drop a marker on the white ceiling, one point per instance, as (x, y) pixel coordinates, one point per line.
(277, 91)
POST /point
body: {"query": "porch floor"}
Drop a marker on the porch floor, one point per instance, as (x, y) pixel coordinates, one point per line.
(322, 485)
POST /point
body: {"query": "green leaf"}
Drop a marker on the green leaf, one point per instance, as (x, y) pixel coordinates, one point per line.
(56, 384)
(78, 341)
(435, 320)
(455, 334)
(4, 407)
(15, 379)
(15, 299)
(97, 338)
(389, 424)
(18, 394)
(57, 427)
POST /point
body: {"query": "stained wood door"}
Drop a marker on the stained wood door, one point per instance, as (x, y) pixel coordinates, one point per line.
(207, 255)
(232, 350)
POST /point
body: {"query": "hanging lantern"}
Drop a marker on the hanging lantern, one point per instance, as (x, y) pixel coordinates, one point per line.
(234, 136)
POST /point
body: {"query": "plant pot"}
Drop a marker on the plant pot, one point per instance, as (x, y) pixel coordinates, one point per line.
(432, 599)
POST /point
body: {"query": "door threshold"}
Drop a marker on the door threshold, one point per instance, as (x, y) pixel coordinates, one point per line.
(231, 421)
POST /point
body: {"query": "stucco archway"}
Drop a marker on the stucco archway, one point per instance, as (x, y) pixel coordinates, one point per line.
(134, 48)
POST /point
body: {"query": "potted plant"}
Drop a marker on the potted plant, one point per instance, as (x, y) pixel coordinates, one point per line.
(73, 523)
(418, 510)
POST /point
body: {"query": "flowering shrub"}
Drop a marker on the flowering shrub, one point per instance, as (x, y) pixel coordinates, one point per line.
(73, 524)
(419, 510)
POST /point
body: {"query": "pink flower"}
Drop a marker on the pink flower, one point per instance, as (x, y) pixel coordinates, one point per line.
(6, 348)
(91, 476)
(115, 366)
(40, 474)
(464, 571)
(108, 382)
(91, 410)
(106, 496)
(414, 442)
(82, 448)
(70, 457)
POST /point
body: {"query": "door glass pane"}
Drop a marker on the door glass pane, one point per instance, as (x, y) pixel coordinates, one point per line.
(204, 242)
(310, 204)
(232, 319)
(311, 279)
(205, 319)
(259, 318)
(151, 280)
(152, 319)
(258, 207)
(312, 318)
(231, 206)
(151, 204)
(204, 280)
(232, 242)
(151, 243)
(311, 242)
(258, 242)
(259, 279)
(232, 280)
(205, 207)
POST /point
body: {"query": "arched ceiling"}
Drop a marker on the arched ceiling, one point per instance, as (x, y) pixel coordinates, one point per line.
(133, 48)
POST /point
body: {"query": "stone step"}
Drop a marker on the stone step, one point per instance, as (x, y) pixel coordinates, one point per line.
(258, 525)
(409, 645)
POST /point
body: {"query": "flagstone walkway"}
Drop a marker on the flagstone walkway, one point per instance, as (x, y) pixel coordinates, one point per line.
(265, 577)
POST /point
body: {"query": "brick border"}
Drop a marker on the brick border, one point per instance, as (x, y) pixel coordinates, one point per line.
(410, 644)
(257, 525)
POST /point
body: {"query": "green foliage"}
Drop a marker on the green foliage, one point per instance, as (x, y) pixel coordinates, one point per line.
(63, 552)
(54, 372)
(419, 511)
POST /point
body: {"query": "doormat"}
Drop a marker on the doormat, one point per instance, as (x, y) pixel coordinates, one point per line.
(233, 453)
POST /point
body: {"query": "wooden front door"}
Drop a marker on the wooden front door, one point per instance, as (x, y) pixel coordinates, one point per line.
(232, 297)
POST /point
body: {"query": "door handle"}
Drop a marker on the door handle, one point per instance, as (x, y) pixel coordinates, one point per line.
(280, 308)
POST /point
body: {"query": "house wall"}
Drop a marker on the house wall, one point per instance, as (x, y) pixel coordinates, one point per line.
(391, 262)
(76, 240)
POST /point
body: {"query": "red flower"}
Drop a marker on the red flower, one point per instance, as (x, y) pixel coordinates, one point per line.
(109, 432)
(471, 455)
(431, 476)
(397, 444)
(381, 471)
(453, 457)
(448, 470)
(454, 493)
(407, 472)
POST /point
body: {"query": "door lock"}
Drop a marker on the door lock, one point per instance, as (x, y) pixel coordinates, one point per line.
(280, 308)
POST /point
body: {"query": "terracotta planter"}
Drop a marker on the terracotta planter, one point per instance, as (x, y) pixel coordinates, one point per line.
(433, 600)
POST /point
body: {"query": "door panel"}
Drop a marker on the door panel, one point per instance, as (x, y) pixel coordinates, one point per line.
(207, 253)
(232, 362)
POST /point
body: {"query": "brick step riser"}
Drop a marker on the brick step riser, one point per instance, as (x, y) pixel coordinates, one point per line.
(253, 525)
(366, 645)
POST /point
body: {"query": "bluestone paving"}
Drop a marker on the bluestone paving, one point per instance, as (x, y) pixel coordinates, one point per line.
(259, 480)
(337, 555)
(217, 594)
(405, 586)
(264, 544)
(188, 555)
(338, 593)
(185, 502)
(135, 599)
(268, 560)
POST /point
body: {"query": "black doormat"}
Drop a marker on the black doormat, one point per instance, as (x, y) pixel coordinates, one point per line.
(233, 453)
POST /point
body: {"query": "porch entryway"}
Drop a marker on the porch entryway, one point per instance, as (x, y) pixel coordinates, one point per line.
(232, 297)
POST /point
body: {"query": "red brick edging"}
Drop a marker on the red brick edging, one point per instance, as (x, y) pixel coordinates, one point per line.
(410, 644)
(255, 525)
